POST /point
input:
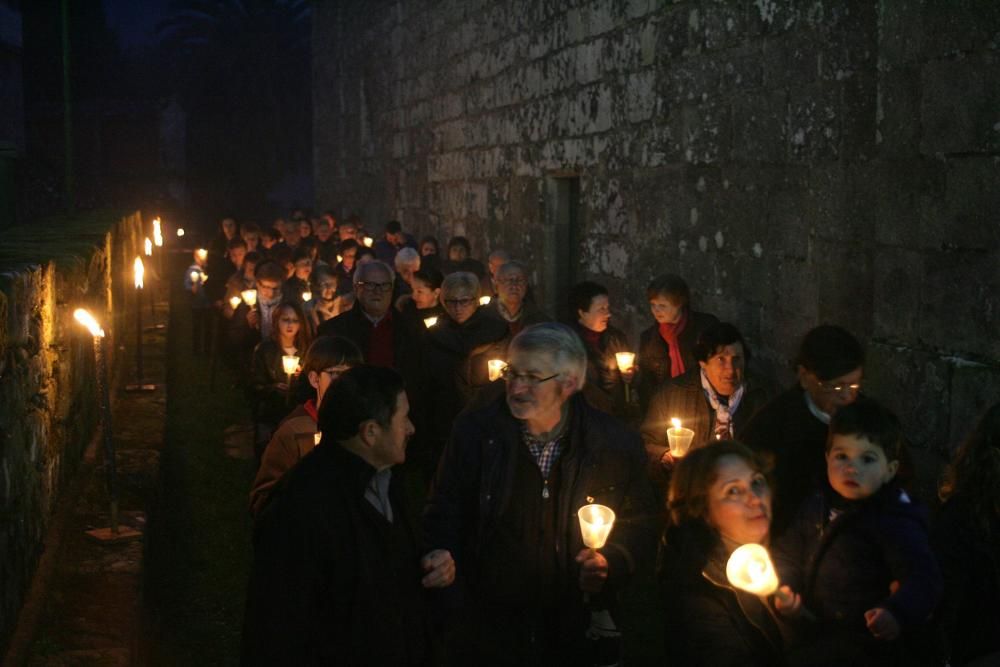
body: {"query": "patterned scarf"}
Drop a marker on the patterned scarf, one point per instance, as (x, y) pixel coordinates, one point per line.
(669, 331)
(725, 407)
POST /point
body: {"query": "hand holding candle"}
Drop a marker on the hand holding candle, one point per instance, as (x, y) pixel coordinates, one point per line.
(430, 321)
(234, 302)
(249, 297)
(307, 296)
(679, 438)
(596, 522)
(750, 569)
(626, 361)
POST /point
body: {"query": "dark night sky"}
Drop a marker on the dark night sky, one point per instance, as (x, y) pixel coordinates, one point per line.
(135, 22)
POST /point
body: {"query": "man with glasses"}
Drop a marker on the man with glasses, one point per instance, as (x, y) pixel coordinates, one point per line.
(791, 430)
(504, 504)
(510, 305)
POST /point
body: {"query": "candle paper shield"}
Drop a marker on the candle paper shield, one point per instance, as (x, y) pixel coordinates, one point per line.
(138, 272)
(495, 368)
(596, 522)
(484, 301)
(234, 302)
(679, 438)
(249, 297)
(430, 321)
(750, 569)
(290, 363)
(625, 361)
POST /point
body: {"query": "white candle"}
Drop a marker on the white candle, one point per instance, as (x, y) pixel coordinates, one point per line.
(307, 296)
(750, 569)
(249, 297)
(430, 321)
(290, 363)
(596, 522)
(625, 361)
(484, 301)
(679, 438)
(495, 368)
(234, 302)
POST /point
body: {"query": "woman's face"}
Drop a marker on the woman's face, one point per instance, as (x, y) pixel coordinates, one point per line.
(328, 288)
(461, 304)
(423, 295)
(665, 309)
(428, 248)
(596, 317)
(739, 502)
(288, 324)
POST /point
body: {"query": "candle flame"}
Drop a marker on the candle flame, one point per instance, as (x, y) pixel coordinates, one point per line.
(157, 233)
(148, 247)
(675, 422)
(750, 569)
(87, 320)
(625, 361)
(137, 272)
(495, 368)
(484, 301)
(340, 258)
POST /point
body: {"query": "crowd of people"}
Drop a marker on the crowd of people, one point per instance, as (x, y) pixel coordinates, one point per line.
(426, 435)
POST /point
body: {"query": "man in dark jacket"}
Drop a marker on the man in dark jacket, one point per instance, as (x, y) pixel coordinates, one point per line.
(504, 503)
(337, 576)
(509, 304)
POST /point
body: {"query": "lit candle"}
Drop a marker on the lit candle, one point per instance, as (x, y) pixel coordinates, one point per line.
(249, 297)
(195, 277)
(596, 522)
(290, 363)
(148, 247)
(495, 368)
(679, 438)
(368, 241)
(157, 233)
(234, 302)
(137, 272)
(340, 258)
(87, 320)
(484, 301)
(307, 296)
(317, 436)
(430, 321)
(750, 569)
(625, 361)
(201, 254)
(180, 231)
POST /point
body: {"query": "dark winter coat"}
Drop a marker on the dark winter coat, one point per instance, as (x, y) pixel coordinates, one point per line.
(604, 388)
(271, 404)
(710, 623)
(332, 581)
(654, 354)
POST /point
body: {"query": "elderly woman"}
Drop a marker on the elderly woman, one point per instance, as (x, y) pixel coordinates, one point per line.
(325, 360)
(406, 262)
(456, 350)
(666, 349)
(605, 388)
(719, 499)
(714, 399)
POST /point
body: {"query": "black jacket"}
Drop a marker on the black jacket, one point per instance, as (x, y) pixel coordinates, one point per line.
(604, 464)
(604, 388)
(710, 623)
(357, 328)
(654, 354)
(333, 582)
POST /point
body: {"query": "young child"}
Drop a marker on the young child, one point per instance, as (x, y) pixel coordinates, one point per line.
(857, 555)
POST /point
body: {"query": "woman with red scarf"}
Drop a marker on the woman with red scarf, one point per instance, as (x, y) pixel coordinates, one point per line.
(326, 359)
(666, 349)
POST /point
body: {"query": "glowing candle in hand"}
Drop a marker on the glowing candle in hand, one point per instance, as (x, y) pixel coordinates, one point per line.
(596, 522)
(368, 241)
(495, 368)
(290, 363)
(249, 297)
(625, 361)
(430, 321)
(138, 272)
(679, 438)
(750, 569)
(234, 302)
(307, 296)
(484, 301)
(147, 246)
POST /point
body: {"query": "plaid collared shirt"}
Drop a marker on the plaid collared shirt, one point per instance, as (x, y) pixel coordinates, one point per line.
(545, 452)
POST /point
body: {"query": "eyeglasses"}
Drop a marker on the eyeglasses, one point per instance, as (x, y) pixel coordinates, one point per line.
(838, 388)
(510, 377)
(375, 286)
(513, 282)
(459, 303)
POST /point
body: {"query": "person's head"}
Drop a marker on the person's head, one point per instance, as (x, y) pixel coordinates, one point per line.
(497, 258)
(459, 249)
(250, 232)
(269, 237)
(290, 326)
(589, 302)
(229, 227)
(512, 284)
(830, 367)
(291, 231)
(366, 412)
(268, 278)
(974, 474)
(546, 365)
(283, 256)
(236, 250)
(326, 359)
(305, 228)
(723, 486)
(394, 233)
(311, 245)
(348, 251)
(668, 297)
(460, 295)
(250, 263)
(324, 282)
(323, 229)
(863, 449)
(407, 262)
(303, 262)
(429, 246)
(348, 229)
(373, 287)
(722, 355)
(426, 287)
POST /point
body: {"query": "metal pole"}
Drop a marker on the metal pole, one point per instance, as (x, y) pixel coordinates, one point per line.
(104, 390)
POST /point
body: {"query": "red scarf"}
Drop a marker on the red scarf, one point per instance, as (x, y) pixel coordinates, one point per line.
(310, 407)
(669, 333)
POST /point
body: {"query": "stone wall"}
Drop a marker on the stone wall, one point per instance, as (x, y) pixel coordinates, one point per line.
(798, 162)
(48, 394)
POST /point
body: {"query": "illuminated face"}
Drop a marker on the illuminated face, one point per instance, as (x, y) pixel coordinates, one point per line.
(248, 269)
(596, 317)
(252, 239)
(328, 288)
(268, 290)
(321, 381)
(460, 303)
(494, 265)
(347, 259)
(665, 310)
(291, 231)
(237, 255)
(305, 229)
(424, 296)
(831, 395)
(457, 253)
(374, 291)
(267, 241)
(724, 369)
(511, 287)
(536, 390)
(303, 269)
(229, 227)
(857, 467)
(390, 443)
(739, 501)
(288, 324)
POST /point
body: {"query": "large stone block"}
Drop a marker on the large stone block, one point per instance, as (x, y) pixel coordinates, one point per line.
(960, 303)
(974, 389)
(760, 132)
(898, 284)
(959, 105)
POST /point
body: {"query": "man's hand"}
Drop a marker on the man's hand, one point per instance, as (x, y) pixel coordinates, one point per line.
(253, 319)
(882, 624)
(788, 602)
(667, 460)
(440, 569)
(593, 570)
